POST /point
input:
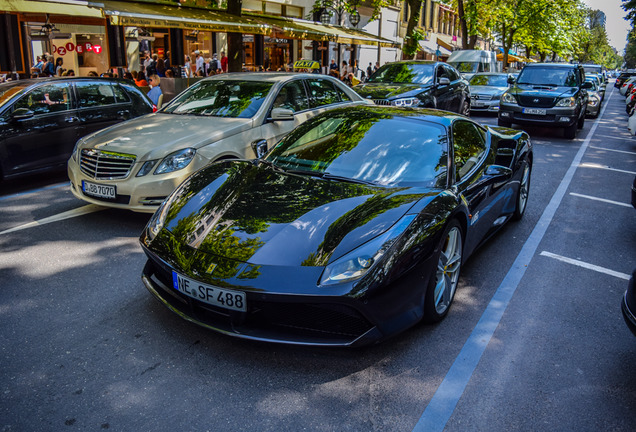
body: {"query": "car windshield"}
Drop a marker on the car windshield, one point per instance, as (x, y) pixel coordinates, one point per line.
(7, 91)
(221, 98)
(465, 67)
(489, 80)
(404, 73)
(367, 147)
(549, 76)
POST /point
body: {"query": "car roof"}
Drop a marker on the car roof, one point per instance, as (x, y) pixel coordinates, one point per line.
(266, 76)
(416, 62)
(444, 118)
(564, 65)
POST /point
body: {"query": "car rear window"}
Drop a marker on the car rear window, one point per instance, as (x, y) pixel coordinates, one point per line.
(94, 94)
(404, 73)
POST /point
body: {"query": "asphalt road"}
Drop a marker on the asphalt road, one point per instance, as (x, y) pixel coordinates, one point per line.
(535, 339)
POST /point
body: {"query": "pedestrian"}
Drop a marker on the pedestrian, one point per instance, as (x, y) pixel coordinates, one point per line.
(343, 71)
(215, 63)
(155, 89)
(224, 61)
(333, 65)
(186, 70)
(141, 79)
(161, 68)
(369, 70)
(198, 61)
(39, 64)
(58, 66)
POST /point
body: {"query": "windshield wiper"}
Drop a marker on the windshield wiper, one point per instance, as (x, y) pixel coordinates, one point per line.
(328, 176)
(271, 164)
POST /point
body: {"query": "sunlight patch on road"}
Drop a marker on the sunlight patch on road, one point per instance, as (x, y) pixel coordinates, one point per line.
(91, 208)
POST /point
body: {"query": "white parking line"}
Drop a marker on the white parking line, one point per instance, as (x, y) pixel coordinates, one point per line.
(613, 150)
(586, 265)
(599, 166)
(601, 199)
(55, 218)
(627, 137)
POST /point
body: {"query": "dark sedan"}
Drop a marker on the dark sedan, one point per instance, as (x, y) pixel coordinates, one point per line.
(418, 84)
(628, 304)
(42, 119)
(352, 229)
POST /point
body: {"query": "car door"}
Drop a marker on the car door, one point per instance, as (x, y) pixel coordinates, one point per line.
(470, 154)
(101, 104)
(457, 88)
(293, 96)
(443, 92)
(39, 131)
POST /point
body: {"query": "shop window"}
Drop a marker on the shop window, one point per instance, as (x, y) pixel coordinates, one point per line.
(322, 92)
(252, 5)
(293, 11)
(92, 94)
(46, 99)
(273, 8)
(292, 96)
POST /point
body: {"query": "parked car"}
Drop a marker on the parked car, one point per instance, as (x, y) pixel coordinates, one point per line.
(137, 164)
(620, 80)
(595, 99)
(547, 94)
(352, 229)
(470, 62)
(423, 84)
(628, 304)
(486, 90)
(627, 86)
(600, 83)
(41, 119)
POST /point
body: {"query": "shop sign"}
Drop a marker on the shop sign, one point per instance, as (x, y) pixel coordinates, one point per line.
(79, 49)
(160, 52)
(97, 49)
(306, 64)
(61, 51)
(88, 46)
(323, 48)
(70, 46)
(54, 49)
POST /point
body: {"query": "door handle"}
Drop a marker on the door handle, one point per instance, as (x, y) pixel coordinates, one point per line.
(72, 120)
(125, 113)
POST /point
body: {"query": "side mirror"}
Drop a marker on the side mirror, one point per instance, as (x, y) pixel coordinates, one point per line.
(587, 85)
(260, 148)
(499, 172)
(511, 80)
(22, 114)
(281, 114)
(443, 81)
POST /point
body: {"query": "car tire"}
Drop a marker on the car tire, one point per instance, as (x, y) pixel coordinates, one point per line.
(523, 193)
(443, 282)
(503, 123)
(570, 131)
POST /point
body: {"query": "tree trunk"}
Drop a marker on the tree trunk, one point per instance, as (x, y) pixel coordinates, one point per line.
(235, 40)
(411, 45)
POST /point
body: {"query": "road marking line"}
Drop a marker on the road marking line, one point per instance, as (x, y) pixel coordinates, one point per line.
(628, 137)
(443, 403)
(613, 150)
(605, 167)
(55, 186)
(58, 217)
(601, 199)
(586, 265)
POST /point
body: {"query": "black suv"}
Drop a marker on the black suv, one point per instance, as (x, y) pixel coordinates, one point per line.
(547, 94)
(424, 84)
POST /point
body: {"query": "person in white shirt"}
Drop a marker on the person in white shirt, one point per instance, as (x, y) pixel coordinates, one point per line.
(199, 61)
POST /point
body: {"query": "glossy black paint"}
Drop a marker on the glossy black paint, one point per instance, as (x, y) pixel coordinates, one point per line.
(628, 304)
(32, 141)
(433, 94)
(270, 234)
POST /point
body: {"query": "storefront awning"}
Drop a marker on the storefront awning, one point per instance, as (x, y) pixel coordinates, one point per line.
(511, 58)
(138, 14)
(72, 8)
(432, 48)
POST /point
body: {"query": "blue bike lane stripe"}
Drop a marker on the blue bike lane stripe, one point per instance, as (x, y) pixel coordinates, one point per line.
(445, 399)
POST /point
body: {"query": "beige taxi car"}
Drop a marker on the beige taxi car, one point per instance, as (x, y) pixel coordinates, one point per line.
(136, 164)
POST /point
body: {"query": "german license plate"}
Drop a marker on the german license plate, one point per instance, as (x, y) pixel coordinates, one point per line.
(478, 104)
(227, 299)
(536, 111)
(97, 190)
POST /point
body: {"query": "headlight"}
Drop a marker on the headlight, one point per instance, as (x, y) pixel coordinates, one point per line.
(176, 161)
(146, 168)
(357, 263)
(593, 100)
(566, 102)
(406, 102)
(508, 98)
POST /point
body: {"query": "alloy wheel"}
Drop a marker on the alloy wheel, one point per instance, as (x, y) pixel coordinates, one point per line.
(448, 267)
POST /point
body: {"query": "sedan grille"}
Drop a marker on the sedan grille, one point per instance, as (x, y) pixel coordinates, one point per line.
(102, 165)
(381, 102)
(484, 97)
(536, 102)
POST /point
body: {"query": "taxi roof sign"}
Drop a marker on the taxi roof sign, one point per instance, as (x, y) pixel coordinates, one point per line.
(306, 64)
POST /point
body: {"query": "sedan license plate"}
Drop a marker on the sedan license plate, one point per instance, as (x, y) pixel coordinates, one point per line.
(537, 111)
(97, 190)
(227, 299)
(479, 104)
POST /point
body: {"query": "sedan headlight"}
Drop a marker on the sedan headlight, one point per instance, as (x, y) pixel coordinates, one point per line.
(357, 263)
(176, 161)
(508, 98)
(593, 100)
(406, 102)
(566, 102)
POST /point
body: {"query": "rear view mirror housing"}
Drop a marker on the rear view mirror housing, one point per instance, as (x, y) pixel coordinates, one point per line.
(281, 114)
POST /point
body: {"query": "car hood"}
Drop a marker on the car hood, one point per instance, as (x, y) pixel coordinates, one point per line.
(487, 90)
(542, 92)
(154, 136)
(389, 90)
(242, 212)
